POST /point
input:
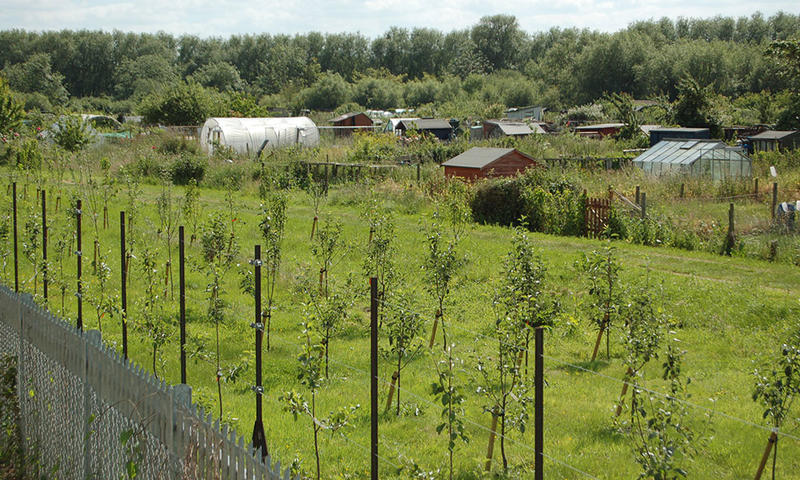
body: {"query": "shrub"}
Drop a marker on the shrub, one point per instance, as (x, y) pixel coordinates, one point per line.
(178, 145)
(187, 167)
(72, 133)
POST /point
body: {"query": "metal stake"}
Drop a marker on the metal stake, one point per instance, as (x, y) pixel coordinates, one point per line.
(259, 437)
(182, 300)
(538, 380)
(79, 254)
(16, 254)
(123, 284)
(373, 360)
(44, 245)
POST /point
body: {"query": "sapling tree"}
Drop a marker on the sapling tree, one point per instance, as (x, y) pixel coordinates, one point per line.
(402, 326)
(318, 193)
(521, 304)
(450, 396)
(326, 249)
(31, 244)
(644, 327)
(602, 270)
(380, 252)
(60, 248)
(191, 208)
(99, 295)
(151, 319)
(273, 221)
(219, 259)
(776, 388)
(168, 213)
(441, 265)
(310, 375)
(663, 440)
(5, 233)
(108, 188)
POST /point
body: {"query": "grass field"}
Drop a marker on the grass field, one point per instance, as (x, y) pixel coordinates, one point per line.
(734, 314)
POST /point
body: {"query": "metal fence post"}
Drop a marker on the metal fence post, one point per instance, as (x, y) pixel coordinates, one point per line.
(182, 299)
(774, 200)
(373, 360)
(79, 254)
(44, 245)
(16, 254)
(538, 379)
(123, 284)
(259, 437)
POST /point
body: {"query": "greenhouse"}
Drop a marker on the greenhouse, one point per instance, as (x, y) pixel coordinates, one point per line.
(250, 136)
(697, 158)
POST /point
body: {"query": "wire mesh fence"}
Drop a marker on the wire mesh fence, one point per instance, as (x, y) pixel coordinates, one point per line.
(88, 413)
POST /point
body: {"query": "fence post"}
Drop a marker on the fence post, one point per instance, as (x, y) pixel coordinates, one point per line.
(755, 188)
(373, 360)
(418, 174)
(79, 254)
(774, 198)
(182, 299)
(123, 284)
(729, 241)
(637, 194)
(259, 437)
(44, 245)
(16, 254)
(538, 380)
(683, 186)
(644, 205)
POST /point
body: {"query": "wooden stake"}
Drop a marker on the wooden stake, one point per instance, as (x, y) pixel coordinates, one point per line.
(433, 330)
(391, 391)
(597, 343)
(628, 376)
(490, 448)
(314, 227)
(773, 437)
(682, 190)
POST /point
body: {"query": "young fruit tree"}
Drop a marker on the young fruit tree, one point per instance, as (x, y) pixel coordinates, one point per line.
(644, 327)
(602, 269)
(403, 326)
(273, 221)
(219, 260)
(776, 388)
(662, 436)
(151, 320)
(380, 252)
(310, 375)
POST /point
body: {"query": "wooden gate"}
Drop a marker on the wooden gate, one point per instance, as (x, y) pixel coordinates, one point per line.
(596, 216)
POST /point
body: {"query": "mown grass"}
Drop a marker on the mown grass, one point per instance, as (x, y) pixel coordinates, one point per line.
(734, 313)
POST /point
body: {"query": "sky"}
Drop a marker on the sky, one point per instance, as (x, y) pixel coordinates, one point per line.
(372, 18)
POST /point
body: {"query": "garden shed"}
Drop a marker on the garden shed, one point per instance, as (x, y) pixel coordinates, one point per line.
(696, 158)
(658, 134)
(775, 140)
(484, 162)
(354, 120)
(441, 129)
(252, 135)
(599, 130)
(508, 128)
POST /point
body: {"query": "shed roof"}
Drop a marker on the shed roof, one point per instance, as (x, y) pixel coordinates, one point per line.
(774, 134)
(512, 128)
(479, 157)
(600, 126)
(679, 130)
(345, 116)
(426, 124)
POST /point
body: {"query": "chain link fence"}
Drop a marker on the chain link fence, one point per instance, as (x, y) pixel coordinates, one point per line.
(85, 412)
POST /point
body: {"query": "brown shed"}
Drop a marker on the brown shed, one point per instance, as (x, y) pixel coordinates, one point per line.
(775, 140)
(483, 162)
(352, 119)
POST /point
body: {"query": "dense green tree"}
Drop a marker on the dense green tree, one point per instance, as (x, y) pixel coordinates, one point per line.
(220, 75)
(35, 75)
(10, 110)
(330, 91)
(142, 75)
(182, 103)
(498, 38)
(378, 93)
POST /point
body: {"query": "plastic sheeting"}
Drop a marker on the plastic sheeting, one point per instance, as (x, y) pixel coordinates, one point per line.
(249, 136)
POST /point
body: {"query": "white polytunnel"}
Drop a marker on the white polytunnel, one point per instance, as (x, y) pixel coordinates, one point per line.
(252, 135)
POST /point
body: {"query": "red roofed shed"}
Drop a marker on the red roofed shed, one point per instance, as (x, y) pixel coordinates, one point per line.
(482, 162)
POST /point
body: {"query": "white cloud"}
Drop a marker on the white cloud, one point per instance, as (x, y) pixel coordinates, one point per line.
(370, 17)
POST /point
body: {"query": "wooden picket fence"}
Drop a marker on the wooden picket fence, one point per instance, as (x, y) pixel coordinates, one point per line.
(596, 216)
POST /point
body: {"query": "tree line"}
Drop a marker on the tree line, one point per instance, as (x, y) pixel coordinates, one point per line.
(494, 62)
